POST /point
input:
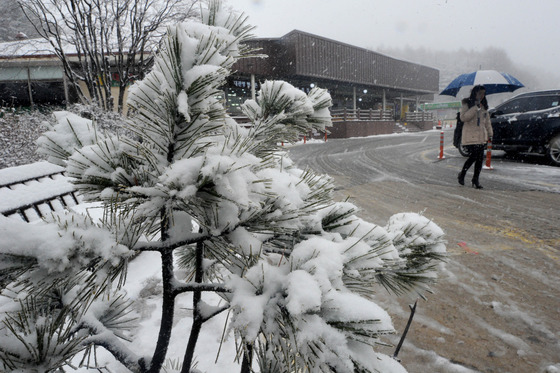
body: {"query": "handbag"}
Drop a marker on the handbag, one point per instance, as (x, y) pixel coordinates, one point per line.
(458, 131)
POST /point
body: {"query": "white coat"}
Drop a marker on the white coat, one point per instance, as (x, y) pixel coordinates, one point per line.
(477, 128)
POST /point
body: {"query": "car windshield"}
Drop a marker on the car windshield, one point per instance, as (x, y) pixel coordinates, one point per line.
(525, 104)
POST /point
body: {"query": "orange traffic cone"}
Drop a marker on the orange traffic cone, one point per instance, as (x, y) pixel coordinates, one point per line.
(488, 165)
(441, 156)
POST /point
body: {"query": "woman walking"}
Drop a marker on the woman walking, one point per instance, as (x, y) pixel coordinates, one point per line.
(477, 131)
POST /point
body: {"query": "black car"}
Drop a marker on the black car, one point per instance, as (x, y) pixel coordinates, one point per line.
(528, 123)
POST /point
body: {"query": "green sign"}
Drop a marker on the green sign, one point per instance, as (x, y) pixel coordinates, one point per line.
(441, 105)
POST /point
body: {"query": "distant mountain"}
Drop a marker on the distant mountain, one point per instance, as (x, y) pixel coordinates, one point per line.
(14, 21)
(451, 64)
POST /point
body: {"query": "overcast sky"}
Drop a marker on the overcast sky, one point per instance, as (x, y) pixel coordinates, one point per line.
(528, 30)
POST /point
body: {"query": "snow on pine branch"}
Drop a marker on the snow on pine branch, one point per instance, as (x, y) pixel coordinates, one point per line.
(300, 269)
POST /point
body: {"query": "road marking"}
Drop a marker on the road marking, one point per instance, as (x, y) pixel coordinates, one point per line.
(546, 247)
(466, 247)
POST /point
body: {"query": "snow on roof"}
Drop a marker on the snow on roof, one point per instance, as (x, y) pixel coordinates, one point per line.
(26, 48)
(29, 48)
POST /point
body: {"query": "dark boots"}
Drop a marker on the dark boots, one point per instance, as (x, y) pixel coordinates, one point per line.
(477, 169)
(475, 184)
(461, 177)
(476, 157)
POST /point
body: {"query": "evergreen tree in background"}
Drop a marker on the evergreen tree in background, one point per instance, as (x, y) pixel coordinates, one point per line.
(14, 22)
(227, 212)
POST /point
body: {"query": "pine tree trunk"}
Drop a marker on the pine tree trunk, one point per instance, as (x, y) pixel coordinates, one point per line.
(168, 307)
(122, 90)
(197, 317)
(247, 359)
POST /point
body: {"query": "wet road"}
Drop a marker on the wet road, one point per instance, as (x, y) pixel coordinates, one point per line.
(496, 307)
(414, 158)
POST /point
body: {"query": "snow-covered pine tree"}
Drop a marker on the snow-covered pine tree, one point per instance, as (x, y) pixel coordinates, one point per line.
(227, 211)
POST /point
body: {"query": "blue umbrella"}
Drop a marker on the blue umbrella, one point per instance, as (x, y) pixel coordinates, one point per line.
(493, 81)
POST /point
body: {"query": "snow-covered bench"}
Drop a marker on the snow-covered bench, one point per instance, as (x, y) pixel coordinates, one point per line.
(32, 191)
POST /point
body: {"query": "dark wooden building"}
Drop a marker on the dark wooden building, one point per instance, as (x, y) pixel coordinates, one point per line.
(368, 89)
(356, 78)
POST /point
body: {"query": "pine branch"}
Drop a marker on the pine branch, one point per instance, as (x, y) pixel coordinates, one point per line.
(200, 287)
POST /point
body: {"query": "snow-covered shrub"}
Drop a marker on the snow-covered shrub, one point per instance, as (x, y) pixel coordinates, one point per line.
(227, 211)
(107, 122)
(18, 132)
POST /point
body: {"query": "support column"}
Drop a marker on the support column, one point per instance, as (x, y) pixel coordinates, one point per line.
(253, 91)
(354, 98)
(402, 107)
(384, 100)
(29, 89)
(65, 84)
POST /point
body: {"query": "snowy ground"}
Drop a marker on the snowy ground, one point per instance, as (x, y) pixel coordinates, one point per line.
(495, 307)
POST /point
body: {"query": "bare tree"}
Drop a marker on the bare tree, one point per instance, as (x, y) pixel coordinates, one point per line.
(105, 42)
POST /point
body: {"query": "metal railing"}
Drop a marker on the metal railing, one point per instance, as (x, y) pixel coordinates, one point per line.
(347, 115)
(418, 116)
(350, 115)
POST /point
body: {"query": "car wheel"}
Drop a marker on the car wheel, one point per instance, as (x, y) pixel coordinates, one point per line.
(512, 153)
(464, 151)
(553, 151)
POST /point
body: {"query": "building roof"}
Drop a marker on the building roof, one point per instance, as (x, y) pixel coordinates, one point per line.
(306, 56)
(31, 48)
